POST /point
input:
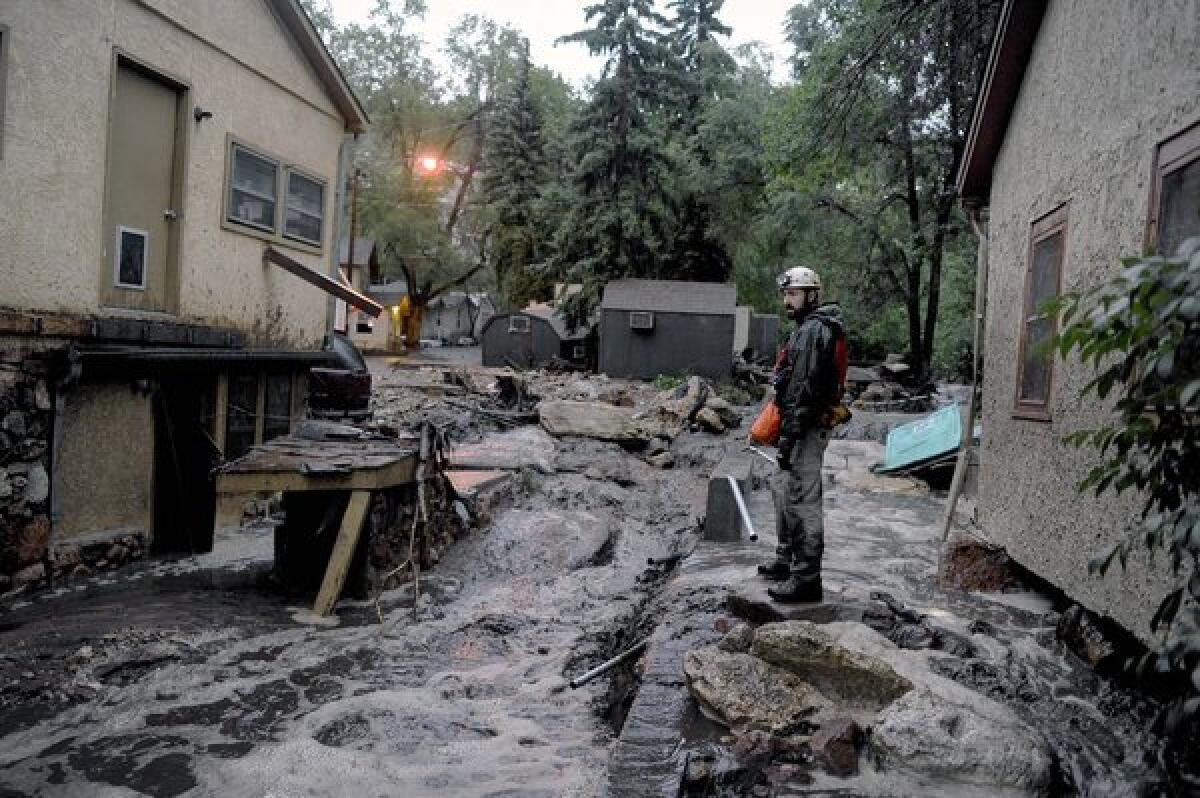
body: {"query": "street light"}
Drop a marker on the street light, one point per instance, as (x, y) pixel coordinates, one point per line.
(429, 165)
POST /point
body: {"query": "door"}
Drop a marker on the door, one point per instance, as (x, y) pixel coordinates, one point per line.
(141, 191)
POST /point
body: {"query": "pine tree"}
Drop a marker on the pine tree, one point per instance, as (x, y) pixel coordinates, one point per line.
(512, 188)
(621, 218)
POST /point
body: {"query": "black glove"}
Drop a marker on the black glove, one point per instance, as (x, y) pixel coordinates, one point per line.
(785, 454)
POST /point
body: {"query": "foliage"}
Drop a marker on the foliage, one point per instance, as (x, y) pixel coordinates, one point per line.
(668, 382)
(870, 138)
(1140, 333)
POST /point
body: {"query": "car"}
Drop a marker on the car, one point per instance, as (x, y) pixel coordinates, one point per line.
(341, 391)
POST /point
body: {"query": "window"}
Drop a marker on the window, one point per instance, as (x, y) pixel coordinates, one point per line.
(579, 352)
(252, 189)
(518, 324)
(1175, 203)
(1047, 247)
(3, 80)
(271, 199)
(241, 420)
(277, 418)
(258, 408)
(305, 202)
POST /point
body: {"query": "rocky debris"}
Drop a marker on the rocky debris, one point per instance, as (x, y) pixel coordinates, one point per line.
(836, 745)
(738, 639)
(662, 460)
(30, 575)
(956, 744)
(844, 675)
(1094, 640)
(971, 565)
(597, 420)
(710, 420)
(744, 692)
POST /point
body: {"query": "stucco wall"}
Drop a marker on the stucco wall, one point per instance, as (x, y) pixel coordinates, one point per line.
(105, 461)
(1101, 90)
(679, 344)
(241, 66)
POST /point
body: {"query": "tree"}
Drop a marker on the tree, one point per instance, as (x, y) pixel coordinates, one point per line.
(621, 213)
(1140, 334)
(874, 133)
(512, 192)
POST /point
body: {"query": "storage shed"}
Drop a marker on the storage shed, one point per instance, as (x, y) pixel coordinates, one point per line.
(533, 337)
(652, 327)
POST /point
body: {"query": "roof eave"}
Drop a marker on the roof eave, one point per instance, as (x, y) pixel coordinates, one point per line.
(301, 27)
(1016, 32)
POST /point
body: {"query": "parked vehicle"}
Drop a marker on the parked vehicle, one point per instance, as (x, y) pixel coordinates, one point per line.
(341, 391)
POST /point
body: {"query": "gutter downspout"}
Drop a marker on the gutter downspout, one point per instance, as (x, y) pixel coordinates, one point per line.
(345, 157)
(974, 402)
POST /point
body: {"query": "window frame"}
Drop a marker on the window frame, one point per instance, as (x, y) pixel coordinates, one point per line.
(1172, 153)
(283, 172)
(5, 36)
(1046, 226)
(120, 232)
(525, 321)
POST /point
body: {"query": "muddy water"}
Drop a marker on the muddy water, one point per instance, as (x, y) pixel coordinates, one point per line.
(194, 678)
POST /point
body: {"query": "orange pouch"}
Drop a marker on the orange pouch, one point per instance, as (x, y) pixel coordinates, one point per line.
(765, 429)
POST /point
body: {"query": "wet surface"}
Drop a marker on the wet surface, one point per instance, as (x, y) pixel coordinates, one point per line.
(195, 677)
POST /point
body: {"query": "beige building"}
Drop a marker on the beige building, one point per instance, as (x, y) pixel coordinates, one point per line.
(170, 177)
(1085, 148)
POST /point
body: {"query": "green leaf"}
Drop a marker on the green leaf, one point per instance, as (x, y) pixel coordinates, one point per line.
(1101, 562)
(1167, 610)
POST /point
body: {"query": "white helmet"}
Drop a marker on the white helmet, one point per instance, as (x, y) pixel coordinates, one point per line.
(799, 277)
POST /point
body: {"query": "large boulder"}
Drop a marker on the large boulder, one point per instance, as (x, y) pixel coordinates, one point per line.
(746, 694)
(851, 678)
(985, 753)
(596, 420)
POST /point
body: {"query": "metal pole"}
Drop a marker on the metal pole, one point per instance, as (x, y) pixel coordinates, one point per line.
(605, 667)
(741, 505)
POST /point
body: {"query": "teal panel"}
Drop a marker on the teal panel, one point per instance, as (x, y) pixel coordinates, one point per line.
(931, 437)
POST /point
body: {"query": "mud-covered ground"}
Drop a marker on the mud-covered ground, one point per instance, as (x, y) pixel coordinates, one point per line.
(195, 677)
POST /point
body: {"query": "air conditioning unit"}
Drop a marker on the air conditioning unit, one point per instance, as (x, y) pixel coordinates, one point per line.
(579, 353)
(641, 320)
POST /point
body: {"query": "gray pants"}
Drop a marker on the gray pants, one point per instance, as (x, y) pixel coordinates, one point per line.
(799, 515)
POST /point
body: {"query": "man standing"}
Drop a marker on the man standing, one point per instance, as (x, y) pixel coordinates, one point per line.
(808, 384)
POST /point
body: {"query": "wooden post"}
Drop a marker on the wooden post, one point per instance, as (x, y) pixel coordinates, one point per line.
(343, 552)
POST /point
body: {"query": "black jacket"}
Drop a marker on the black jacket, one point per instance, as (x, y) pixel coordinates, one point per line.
(806, 384)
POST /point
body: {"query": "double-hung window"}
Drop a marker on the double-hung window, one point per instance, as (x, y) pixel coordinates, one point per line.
(1035, 366)
(1175, 203)
(273, 199)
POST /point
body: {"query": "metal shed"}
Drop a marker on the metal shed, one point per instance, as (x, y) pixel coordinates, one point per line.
(532, 337)
(652, 327)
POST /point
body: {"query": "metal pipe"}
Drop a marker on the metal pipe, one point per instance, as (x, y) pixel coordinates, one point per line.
(741, 505)
(605, 667)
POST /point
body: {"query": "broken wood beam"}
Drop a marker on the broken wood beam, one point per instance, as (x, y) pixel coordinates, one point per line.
(343, 552)
(324, 282)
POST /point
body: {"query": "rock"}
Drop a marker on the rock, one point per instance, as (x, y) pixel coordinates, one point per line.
(728, 415)
(657, 446)
(953, 744)
(969, 565)
(738, 639)
(755, 747)
(788, 775)
(591, 420)
(710, 420)
(67, 557)
(662, 460)
(81, 571)
(849, 677)
(685, 401)
(38, 487)
(31, 540)
(745, 693)
(1086, 634)
(116, 554)
(41, 397)
(14, 422)
(836, 745)
(30, 575)
(699, 774)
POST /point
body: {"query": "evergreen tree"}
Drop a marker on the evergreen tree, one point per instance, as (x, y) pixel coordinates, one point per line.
(512, 187)
(621, 219)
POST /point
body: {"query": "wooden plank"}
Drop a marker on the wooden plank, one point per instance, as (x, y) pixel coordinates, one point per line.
(343, 552)
(400, 472)
(324, 282)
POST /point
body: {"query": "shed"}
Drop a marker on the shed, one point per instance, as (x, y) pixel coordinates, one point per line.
(533, 337)
(456, 315)
(652, 327)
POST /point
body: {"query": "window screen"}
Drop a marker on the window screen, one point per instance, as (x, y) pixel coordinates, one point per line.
(304, 209)
(1179, 214)
(1037, 326)
(252, 189)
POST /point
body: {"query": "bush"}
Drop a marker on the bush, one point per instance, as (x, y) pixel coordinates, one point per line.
(1140, 333)
(668, 382)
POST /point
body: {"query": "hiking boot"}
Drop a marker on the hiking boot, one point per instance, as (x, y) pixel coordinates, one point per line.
(797, 591)
(776, 571)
